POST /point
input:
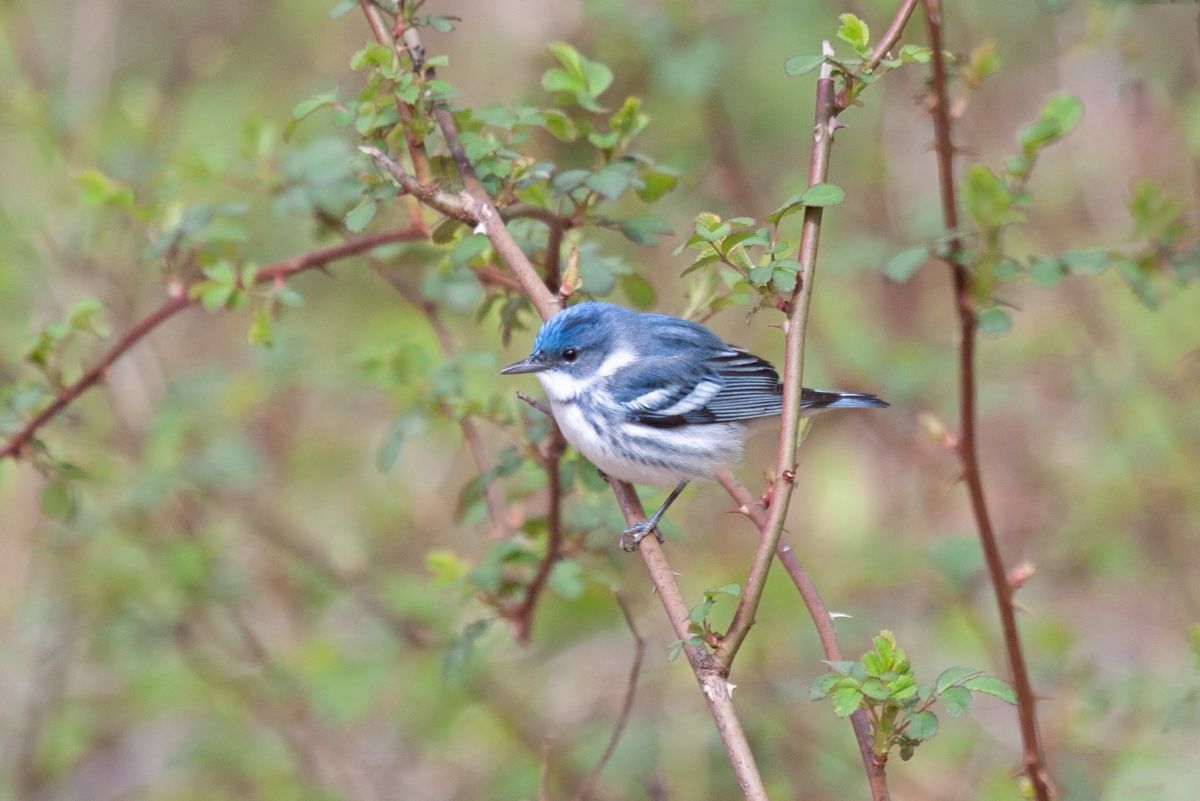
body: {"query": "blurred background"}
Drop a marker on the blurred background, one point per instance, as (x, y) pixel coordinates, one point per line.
(232, 600)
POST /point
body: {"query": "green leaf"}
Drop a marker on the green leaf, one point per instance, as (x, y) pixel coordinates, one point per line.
(854, 32)
(58, 500)
(343, 7)
(261, 330)
(566, 579)
(610, 181)
(306, 107)
(1087, 262)
(823, 685)
(846, 700)
(988, 199)
(822, 195)
(1047, 272)
(901, 266)
(568, 180)
(922, 726)
(460, 650)
(361, 215)
(784, 280)
(991, 685)
(732, 589)
(874, 688)
(644, 230)
(1060, 114)
(802, 65)
(560, 126)
(393, 442)
(469, 248)
(953, 676)
(760, 275)
(915, 53)
(956, 699)
(994, 322)
(97, 189)
(656, 183)
(638, 290)
(83, 317)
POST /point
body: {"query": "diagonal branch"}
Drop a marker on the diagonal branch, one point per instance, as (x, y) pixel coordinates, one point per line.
(178, 301)
(968, 451)
(884, 46)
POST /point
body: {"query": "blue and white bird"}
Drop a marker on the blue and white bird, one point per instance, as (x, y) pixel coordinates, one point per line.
(654, 399)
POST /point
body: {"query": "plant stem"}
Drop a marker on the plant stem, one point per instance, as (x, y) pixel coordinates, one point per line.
(968, 451)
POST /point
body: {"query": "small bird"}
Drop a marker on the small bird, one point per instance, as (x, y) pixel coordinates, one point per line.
(654, 399)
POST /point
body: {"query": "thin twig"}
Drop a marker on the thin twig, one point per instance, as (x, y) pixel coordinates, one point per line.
(179, 300)
(639, 652)
(793, 370)
(522, 618)
(968, 454)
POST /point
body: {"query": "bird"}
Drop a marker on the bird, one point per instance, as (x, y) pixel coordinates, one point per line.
(657, 400)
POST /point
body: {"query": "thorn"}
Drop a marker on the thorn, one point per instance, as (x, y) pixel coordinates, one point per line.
(789, 476)
(730, 687)
(1021, 573)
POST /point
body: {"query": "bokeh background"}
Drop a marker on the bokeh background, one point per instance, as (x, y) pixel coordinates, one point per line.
(243, 606)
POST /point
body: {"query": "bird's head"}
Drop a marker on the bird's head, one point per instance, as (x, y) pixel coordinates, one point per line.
(574, 346)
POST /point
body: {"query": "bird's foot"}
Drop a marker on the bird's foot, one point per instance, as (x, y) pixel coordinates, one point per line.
(603, 476)
(633, 536)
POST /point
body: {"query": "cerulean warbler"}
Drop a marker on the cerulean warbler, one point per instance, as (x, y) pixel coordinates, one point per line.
(653, 399)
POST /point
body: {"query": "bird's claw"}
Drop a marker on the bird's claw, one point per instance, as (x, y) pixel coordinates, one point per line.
(633, 536)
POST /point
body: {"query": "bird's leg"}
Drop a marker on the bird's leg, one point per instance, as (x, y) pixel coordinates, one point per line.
(632, 536)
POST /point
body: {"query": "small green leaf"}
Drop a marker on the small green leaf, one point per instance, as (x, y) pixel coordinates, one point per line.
(261, 329)
(361, 215)
(610, 181)
(760, 275)
(991, 685)
(342, 7)
(306, 107)
(1060, 114)
(446, 568)
(58, 500)
(823, 685)
(994, 322)
(901, 266)
(956, 699)
(822, 195)
(854, 32)
(1047, 272)
(1087, 262)
(638, 290)
(392, 443)
(846, 700)
(802, 65)
(922, 726)
(953, 676)
(784, 280)
(566, 579)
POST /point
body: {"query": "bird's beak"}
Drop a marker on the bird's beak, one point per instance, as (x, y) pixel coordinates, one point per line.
(533, 364)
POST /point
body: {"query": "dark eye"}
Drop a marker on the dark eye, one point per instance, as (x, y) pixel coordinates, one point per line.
(570, 354)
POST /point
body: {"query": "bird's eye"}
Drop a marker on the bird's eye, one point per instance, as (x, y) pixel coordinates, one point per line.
(570, 355)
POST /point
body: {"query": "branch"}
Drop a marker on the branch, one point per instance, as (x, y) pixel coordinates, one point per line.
(711, 676)
(967, 446)
(882, 47)
(523, 617)
(753, 508)
(793, 370)
(639, 652)
(180, 300)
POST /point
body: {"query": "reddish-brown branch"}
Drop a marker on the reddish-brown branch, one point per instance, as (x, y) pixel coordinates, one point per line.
(179, 301)
(639, 653)
(968, 451)
(551, 460)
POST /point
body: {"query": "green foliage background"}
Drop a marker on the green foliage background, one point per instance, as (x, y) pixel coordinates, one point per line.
(233, 600)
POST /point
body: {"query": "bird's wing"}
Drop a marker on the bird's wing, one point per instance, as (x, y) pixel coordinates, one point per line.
(717, 387)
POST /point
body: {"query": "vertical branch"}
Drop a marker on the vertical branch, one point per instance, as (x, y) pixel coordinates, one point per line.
(968, 452)
(824, 124)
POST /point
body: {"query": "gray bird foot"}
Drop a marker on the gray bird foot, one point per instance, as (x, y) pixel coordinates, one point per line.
(633, 536)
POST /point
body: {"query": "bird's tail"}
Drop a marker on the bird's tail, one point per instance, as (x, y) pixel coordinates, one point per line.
(818, 400)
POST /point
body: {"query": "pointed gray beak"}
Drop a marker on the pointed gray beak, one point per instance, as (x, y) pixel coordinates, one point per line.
(532, 364)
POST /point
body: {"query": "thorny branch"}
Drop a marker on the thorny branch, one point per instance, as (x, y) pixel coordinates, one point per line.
(968, 451)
